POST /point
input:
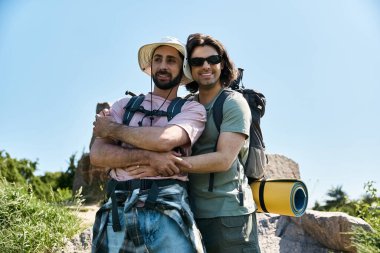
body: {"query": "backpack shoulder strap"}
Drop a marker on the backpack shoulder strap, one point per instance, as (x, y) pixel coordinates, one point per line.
(217, 114)
(132, 106)
(175, 107)
(217, 108)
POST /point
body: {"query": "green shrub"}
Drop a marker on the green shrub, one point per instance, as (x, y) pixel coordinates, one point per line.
(52, 179)
(29, 224)
(22, 171)
(368, 209)
(14, 170)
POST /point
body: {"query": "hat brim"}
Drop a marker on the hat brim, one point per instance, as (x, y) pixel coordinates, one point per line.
(145, 55)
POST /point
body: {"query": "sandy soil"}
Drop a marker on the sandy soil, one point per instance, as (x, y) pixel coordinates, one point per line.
(87, 214)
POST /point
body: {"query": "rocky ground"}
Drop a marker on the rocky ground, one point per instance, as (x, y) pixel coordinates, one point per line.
(81, 243)
(315, 232)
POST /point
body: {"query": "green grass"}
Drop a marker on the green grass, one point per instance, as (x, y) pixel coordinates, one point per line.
(29, 224)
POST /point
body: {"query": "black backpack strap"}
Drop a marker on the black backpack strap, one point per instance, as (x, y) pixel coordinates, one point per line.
(261, 195)
(111, 186)
(217, 114)
(175, 107)
(217, 108)
(132, 106)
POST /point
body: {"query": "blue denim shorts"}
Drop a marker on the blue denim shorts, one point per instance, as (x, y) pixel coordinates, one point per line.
(129, 225)
(160, 233)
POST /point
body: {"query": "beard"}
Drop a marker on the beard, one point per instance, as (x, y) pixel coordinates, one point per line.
(207, 85)
(167, 85)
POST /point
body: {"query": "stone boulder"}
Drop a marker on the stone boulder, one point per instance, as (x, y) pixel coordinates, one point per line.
(278, 234)
(331, 229)
(91, 180)
(80, 243)
(280, 166)
(315, 232)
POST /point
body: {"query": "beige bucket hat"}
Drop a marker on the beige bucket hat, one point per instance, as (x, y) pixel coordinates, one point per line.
(145, 55)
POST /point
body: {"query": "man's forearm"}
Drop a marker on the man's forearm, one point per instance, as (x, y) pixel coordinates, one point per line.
(229, 145)
(159, 139)
(105, 154)
(207, 163)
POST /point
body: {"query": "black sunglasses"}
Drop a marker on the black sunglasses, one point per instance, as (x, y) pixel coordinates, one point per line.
(199, 61)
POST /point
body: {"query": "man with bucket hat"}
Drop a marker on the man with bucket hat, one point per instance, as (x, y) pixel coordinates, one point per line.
(150, 214)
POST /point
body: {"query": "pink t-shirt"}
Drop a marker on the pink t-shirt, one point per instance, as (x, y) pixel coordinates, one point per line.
(192, 119)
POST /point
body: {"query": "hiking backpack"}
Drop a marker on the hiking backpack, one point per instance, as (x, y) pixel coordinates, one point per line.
(134, 105)
(256, 160)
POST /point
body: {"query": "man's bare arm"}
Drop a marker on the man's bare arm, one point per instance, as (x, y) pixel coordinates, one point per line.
(105, 153)
(229, 145)
(159, 139)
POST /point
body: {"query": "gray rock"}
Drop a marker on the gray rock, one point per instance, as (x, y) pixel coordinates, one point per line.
(331, 229)
(79, 244)
(91, 179)
(280, 166)
(315, 232)
(279, 234)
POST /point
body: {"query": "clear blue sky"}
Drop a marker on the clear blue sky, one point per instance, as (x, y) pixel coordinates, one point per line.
(317, 62)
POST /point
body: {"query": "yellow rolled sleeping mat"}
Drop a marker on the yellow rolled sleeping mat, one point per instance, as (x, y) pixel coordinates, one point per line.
(280, 196)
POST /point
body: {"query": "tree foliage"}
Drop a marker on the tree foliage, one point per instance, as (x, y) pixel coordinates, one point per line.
(67, 179)
(13, 170)
(21, 171)
(338, 201)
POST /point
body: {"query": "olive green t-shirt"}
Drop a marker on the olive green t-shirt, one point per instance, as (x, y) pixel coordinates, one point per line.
(224, 199)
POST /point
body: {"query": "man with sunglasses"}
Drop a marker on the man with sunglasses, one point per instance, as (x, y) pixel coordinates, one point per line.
(151, 214)
(223, 207)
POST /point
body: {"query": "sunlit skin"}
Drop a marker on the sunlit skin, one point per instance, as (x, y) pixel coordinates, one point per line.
(208, 75)
(166, 66)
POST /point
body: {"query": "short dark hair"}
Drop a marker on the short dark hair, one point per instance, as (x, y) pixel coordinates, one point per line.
(228, 73)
